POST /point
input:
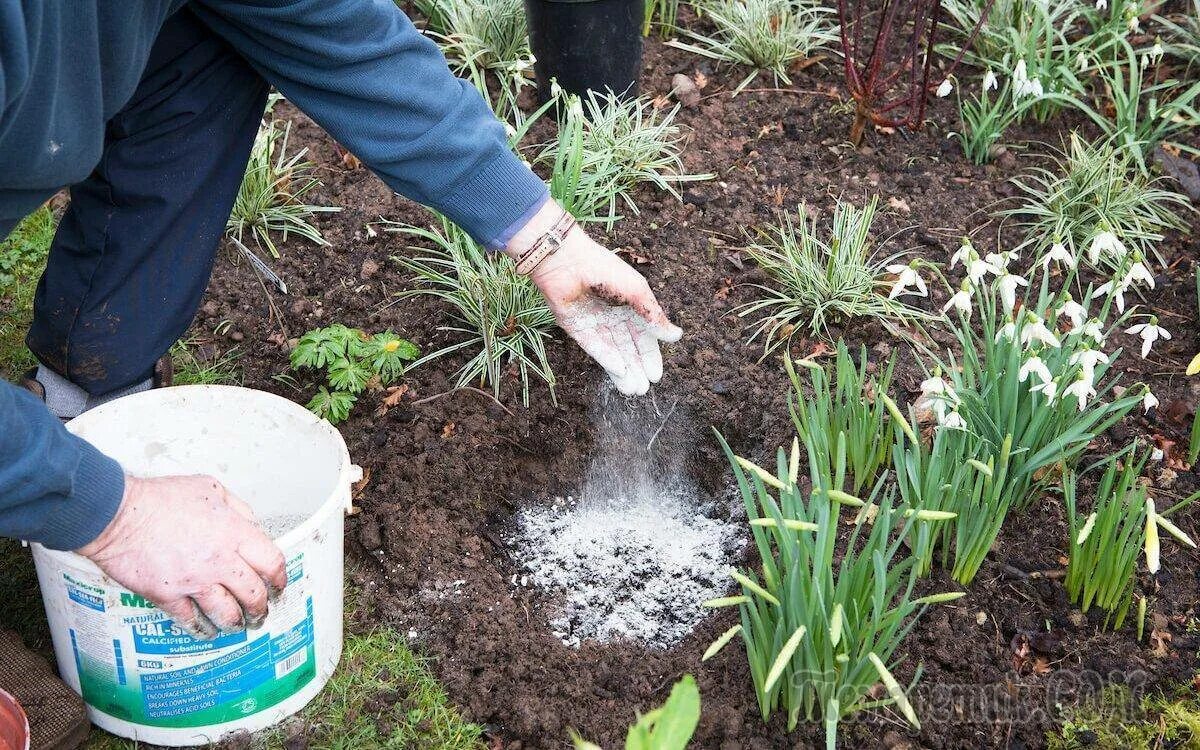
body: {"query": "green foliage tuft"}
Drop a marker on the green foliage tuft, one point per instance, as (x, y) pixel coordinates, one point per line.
(271, 197)
(351, 360)
(669, 727)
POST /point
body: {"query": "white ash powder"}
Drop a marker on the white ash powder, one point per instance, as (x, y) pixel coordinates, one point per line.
(277, 526)
(631, 569)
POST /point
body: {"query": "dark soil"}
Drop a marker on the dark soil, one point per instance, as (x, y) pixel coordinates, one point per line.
(447, 475)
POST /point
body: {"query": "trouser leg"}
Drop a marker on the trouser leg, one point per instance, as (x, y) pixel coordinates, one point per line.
(134, 251)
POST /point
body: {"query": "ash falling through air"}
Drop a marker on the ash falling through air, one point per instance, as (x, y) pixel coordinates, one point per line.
(637, 553)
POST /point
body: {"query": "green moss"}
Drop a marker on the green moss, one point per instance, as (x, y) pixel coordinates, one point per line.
(1116, 720)
(22, 258)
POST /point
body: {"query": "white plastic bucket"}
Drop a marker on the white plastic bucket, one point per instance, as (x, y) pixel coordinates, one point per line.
(142, 677)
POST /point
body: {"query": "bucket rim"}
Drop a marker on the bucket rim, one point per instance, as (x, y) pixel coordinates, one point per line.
(9, 703)
(348, 473)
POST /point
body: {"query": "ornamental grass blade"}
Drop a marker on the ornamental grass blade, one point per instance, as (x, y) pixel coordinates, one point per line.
(894, 690)
(720, 643)
(785, 656)
(833, 712)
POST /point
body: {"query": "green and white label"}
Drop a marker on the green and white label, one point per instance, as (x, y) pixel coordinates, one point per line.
(137, 665)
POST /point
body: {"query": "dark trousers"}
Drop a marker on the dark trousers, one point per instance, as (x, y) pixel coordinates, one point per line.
(134, 251)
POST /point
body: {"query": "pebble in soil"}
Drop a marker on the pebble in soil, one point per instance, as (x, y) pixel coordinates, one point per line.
(635, 556)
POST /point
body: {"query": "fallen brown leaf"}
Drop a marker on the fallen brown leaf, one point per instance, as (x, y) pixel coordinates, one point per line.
(448, 430)
(395, 394)
(361, 484)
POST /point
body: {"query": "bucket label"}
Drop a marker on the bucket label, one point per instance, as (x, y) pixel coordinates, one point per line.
(137, 665)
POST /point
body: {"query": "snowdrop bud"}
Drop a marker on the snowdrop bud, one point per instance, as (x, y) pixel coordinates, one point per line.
(989, 81)
(1149, 401)
(1101, 5)
(945, 88)
(1081, 62)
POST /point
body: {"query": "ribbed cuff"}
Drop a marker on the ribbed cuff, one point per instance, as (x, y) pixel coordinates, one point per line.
(96, 492)
(496, 201)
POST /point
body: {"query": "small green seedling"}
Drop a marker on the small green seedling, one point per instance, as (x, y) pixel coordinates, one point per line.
(669, 727)
(351, 360)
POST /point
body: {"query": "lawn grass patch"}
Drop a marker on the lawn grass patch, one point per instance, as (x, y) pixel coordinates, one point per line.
(1116, 719)
(22, 258)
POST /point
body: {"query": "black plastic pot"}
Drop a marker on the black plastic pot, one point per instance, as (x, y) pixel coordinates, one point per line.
(586, 44)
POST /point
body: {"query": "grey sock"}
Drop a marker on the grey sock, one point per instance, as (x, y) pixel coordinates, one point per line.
(67, 400)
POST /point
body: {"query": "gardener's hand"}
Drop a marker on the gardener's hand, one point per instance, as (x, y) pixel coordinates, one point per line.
(605, 305)
(191, 547)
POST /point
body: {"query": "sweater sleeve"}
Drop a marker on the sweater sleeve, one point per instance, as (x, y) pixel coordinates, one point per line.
(365, 74)
(55, 488)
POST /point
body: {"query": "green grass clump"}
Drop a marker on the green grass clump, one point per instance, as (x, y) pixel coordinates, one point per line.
(816, 282)
(271, 197)
(22, 258)
(1094, 188)
(1115, 719)
(767, 35)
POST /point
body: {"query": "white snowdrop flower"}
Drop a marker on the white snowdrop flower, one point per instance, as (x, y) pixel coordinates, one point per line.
(1093, 328)
(1000, 261)
(1081, 62)
(1019, 73)
(1049, 390)
(1149, 401)
(1105, 242)
(1150, 332)
(1074, 312)
(978, 268)
(1035, 330)
(963, 254)
(1101, 5)
(990, 82)
(1035, 88)
(1082, 390)
(961, 300)
(1116, 289)
(1135, 24)
(1087, 359)
(1156, 454)
(1059, 254)
(1139, 272)
(906, 276)
(952, 420)
(1035, 366)
(939, 393)
(944, 89)
(1007, 331)
(1008, 284)
(1156, 52)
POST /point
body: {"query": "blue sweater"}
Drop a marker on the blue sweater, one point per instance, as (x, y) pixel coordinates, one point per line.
(357, 67)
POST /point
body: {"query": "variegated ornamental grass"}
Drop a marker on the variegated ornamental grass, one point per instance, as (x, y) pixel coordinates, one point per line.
(820, 630)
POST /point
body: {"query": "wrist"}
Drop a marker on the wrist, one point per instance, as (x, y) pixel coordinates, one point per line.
(536, 228)
(113, 529)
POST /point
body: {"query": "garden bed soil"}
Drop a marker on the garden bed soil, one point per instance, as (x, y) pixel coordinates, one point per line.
(448, 474)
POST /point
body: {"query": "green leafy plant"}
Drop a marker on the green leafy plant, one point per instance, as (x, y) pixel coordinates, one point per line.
(820, 628)
(485, 40)
(667, 14)
(1034, 45)
(947, 480)
(350, 360)
(1091, 189)
(606, 147)
(818, 282)
(1183, 35)
(500, 315)
(985, 117)
(767, 35)
(271, 197)
(1143, 116)
(1026, 398)
(850, 405)
(669, 727)
(26, 247)
(1105, 545)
